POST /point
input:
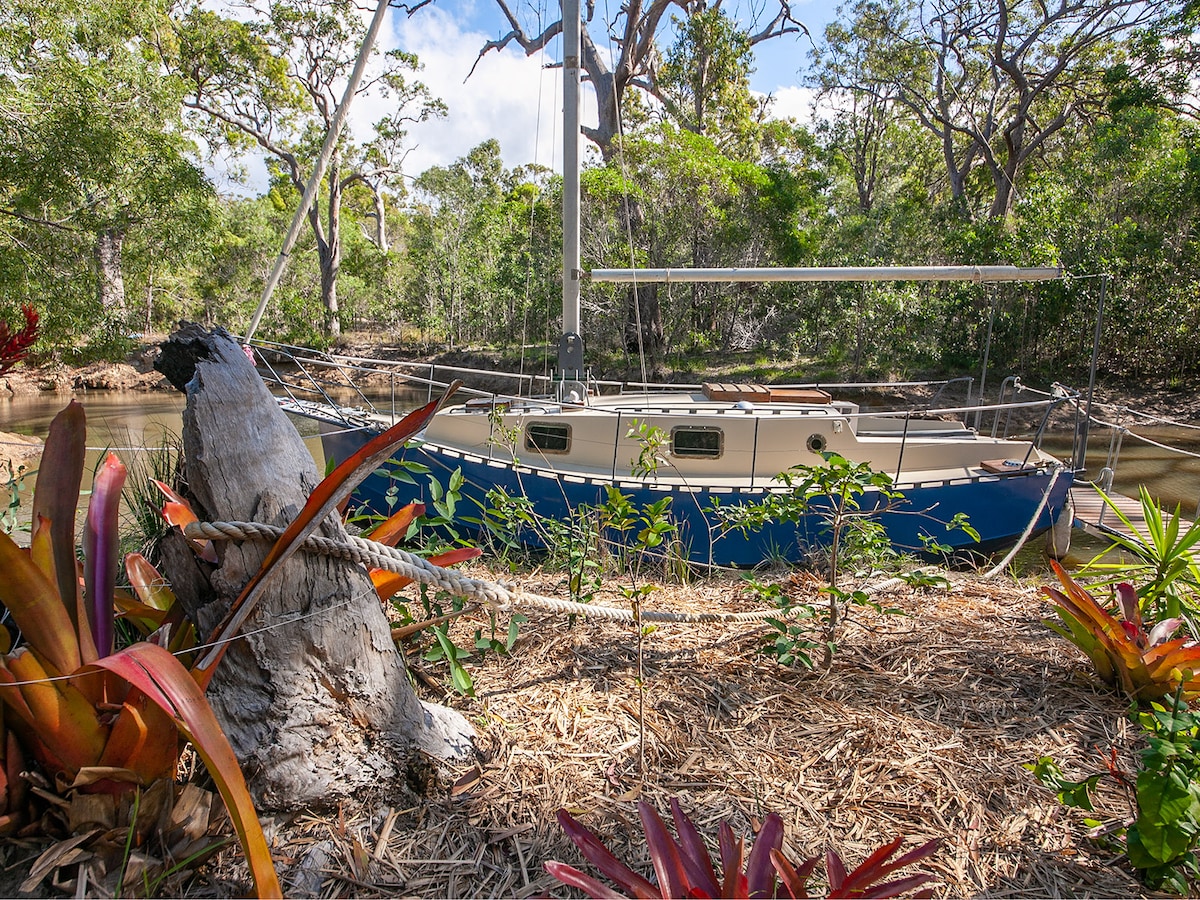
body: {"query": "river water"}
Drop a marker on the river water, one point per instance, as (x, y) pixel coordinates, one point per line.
(126, 421)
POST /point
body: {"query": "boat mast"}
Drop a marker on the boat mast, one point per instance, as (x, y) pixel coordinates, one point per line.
(570, 345)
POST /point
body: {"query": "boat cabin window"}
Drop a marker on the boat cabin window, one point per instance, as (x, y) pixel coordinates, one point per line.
(697, 442)
(547, 437)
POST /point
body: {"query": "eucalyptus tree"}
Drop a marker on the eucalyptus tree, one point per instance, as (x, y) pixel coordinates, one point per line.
(483, 249)
(271, 81)
(94, 167)
(991, 80)
(628, 55)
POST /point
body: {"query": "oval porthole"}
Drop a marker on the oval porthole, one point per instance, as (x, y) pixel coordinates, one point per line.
(816, 443)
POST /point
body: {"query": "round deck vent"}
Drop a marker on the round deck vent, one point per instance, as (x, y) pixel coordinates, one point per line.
(816, 443)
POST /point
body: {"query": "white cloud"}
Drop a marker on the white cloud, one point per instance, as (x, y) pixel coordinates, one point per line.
(790, 102)
(510, 97)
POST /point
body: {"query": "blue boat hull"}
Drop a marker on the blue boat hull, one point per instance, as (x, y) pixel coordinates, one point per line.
(999, 507)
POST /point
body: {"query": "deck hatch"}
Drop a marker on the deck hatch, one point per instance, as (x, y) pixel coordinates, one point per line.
(697, 442)
(548, 437)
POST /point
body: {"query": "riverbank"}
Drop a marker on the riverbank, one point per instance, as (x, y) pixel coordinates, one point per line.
(1178, 399)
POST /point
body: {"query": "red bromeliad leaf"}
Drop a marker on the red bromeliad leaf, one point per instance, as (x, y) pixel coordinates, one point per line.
(14, 347)
(56, 498)
(338, 485)
(1130, 607)
(835, 872)
(601, 857)
(760, 874)
(395, 527)
(664, 853)
(864, 880)
(696, 860)
(795, 881)
(163, 679)
(734, 882)
(100, 551)
(572, 877)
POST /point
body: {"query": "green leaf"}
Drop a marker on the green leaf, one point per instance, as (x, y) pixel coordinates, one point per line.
(1076, 794)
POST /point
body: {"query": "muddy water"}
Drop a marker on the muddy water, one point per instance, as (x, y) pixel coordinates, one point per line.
(1171, 476)
(128, 423)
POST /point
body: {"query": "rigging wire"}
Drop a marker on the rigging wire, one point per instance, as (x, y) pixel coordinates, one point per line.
(625, 200)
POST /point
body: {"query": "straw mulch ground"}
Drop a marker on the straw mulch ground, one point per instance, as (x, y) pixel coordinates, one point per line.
(919, 729)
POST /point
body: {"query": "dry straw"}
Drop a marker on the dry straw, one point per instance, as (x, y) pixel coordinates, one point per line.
(920, 729)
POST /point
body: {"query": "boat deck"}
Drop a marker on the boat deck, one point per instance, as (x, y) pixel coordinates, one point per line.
(1094, 516)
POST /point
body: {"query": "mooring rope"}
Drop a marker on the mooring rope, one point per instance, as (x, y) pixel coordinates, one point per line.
(419, 569)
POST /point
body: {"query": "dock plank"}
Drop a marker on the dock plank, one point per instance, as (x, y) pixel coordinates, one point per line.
(1094, 516)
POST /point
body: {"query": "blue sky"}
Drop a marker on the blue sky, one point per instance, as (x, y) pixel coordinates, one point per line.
(503, 97)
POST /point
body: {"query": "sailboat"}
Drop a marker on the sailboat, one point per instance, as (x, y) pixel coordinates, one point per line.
(700, 452)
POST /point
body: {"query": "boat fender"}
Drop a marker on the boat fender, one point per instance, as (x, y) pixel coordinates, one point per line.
(1058, 538)
(816, 443)
(744, 405)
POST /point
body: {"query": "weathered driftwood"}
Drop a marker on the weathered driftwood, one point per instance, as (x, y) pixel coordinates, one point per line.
(313, 696)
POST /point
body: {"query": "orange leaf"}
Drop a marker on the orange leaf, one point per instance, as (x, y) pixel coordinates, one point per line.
(151, 587)
(396, 526)
(36, 607)
(178, 513)
(65, 720)
(388, 583)
(164, 680)
(143, 739)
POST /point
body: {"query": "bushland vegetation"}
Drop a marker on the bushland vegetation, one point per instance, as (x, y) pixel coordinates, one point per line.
(966, 134)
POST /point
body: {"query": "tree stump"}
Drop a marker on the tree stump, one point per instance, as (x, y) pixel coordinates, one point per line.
(313, 696)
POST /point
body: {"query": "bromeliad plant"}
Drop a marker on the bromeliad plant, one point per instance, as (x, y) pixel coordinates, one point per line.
(684, 868)
(105, 721)
(97, 720)
(1145, 665)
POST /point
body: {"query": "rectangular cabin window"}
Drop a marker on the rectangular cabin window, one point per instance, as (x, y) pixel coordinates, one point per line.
(697, 442)
(547, 437)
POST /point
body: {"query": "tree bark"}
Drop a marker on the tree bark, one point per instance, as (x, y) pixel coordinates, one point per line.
(314, 698)
(110, 282)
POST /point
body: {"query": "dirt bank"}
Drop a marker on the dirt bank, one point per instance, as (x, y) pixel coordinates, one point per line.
(1113, 398)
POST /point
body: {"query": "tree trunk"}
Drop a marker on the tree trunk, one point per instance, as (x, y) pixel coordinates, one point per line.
(381, 235)
(110, 283)
(314, 699)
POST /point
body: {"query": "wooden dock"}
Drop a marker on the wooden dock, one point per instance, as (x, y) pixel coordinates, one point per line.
(1094, 516)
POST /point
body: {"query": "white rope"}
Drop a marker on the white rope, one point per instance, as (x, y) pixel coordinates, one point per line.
(1003, 564)
(501, 597)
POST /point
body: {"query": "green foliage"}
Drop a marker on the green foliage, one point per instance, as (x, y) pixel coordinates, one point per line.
(831, 492)
(1161, 834)
(14, 485)
(1163, 567)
